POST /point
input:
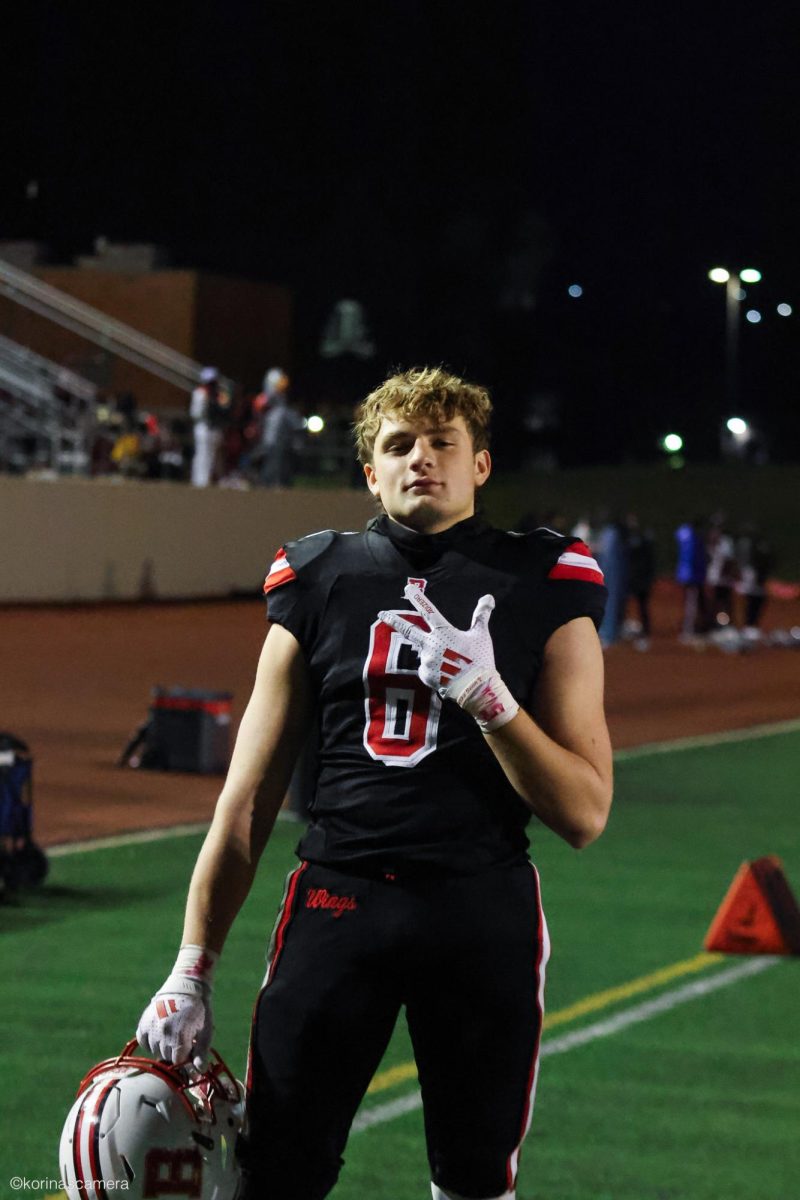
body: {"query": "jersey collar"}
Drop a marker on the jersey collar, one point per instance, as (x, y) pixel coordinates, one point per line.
(426, 545)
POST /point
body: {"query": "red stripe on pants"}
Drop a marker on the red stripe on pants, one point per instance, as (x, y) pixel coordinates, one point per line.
(279, 939)
(512, 1168)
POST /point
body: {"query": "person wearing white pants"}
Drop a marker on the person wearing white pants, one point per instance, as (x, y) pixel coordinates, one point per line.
(207, 436)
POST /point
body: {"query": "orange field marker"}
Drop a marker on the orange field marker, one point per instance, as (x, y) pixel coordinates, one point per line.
(759, 914)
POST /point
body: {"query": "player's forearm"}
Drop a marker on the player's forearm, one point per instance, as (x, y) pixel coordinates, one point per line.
(563, 789)
(220, 884)
(267, 744)
(228, 861)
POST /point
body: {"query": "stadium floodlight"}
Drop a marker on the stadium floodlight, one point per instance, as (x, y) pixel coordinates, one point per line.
(315, 424)
(672, 443)
(737, 426)
(784, 310)
(734, 295)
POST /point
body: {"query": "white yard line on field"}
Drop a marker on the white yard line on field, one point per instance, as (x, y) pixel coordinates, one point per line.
(381, 1113)
(708, 739)
(125, 839)
(139, 836)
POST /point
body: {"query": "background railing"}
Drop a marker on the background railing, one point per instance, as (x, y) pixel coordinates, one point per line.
(114, 337)
(47, 412)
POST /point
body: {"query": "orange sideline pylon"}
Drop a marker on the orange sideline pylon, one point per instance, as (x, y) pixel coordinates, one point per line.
(759, 914)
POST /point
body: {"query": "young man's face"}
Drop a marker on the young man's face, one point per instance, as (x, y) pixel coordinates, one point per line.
(426, 475)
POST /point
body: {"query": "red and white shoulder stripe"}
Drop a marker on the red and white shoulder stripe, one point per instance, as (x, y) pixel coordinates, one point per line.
(577, 563)
(280, 572)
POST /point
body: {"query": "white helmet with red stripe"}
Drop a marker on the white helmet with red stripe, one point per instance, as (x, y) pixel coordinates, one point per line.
(142, 1129)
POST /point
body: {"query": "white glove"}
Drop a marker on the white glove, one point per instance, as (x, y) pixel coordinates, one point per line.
(458, 663)
(177, 1024)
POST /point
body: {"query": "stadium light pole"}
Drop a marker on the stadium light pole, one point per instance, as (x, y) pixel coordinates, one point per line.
(733, 281)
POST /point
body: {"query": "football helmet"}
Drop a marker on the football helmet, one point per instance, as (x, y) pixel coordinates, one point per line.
(146, 1129)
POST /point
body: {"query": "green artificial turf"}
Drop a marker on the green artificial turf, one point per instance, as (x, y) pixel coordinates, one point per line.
(701, 1103)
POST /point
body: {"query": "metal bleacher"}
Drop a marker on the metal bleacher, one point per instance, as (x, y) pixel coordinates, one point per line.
(48, 413)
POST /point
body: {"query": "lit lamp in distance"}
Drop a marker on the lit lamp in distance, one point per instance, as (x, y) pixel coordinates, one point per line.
(736, 437)
(737, 426)
(672, 443)
(734, 294)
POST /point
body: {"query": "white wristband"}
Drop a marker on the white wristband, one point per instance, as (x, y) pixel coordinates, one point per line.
(488, 700)
(196, 963)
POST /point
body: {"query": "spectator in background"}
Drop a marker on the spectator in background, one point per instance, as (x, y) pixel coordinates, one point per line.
(722, 572)
(690, 573)
(105, 436)
(247, 441)
(209, 412)
(755, 560)
(234, 455)
(128, 408)
(149, 430)
(583, 529)
(279, 431)
(170, 451)
(126, 453)
(641, 574)
(610, 550)
(275, 381)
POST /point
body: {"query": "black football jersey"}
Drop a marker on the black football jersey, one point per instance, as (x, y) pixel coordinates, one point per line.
(405, 780)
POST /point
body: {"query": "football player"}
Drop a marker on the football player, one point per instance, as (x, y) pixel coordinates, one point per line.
(456, 678)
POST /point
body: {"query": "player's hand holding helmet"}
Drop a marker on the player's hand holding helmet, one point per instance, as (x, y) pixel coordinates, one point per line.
(148, 1129)
(177, 1024)
(458, 663)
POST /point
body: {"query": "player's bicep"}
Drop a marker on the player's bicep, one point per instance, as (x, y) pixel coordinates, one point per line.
(274, 725)
(568, 701)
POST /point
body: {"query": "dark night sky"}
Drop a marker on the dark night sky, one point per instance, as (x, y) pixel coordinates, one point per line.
(440, 167)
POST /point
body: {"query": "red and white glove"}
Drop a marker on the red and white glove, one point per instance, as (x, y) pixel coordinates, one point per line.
(458, 663)
(177, 1024)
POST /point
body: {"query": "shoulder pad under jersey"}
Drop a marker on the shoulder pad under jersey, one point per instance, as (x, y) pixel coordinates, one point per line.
(575, 561)
(561, 556)
(304, 556)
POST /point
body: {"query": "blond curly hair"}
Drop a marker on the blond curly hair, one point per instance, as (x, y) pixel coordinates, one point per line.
(423, 393)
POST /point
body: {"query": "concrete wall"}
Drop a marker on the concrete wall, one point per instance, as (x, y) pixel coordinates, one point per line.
(83, 540)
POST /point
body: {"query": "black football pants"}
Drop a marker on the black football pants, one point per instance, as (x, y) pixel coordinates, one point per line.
(464, 955)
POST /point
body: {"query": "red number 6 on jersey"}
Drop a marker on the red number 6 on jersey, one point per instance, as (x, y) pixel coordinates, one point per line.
(402, 713)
